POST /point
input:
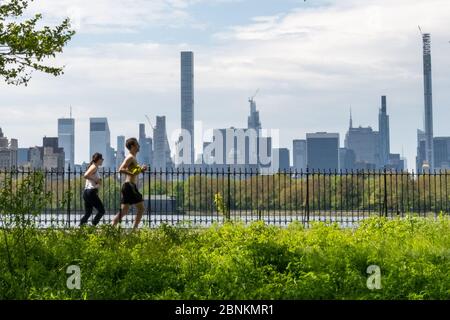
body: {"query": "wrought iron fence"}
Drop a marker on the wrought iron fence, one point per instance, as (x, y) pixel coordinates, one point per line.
(202, 197)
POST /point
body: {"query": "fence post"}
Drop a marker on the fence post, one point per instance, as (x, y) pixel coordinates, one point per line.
(68, 194)
(228, 214)
(307, 194)
(385, 193)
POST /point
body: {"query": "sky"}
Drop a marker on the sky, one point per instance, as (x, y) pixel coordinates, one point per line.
(311, 61)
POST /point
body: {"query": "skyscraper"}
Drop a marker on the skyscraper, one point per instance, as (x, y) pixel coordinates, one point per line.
(322, 151)
(52, 155)
(421, 151)
(22, 157)
(8, 152)
(66, 139)
(145, 154)
(253, 120)
(365, 143)
(120, 153)
(187, 98)
(141, 131)
(51, 142)
(347, 159)
(396, 162)
(34, 154)
(383, 127)
(100, 140)
(299, 155)
(428, 94)
(283, 159)
(161, 155)
(442, 153)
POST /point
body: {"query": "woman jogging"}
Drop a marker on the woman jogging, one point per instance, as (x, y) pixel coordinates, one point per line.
(90, 194)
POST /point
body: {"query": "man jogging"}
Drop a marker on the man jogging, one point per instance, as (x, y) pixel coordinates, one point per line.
(130, 194)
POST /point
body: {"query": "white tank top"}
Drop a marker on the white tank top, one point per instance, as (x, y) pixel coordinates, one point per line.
(90, 184)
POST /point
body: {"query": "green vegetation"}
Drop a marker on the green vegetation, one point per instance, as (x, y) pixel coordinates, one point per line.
(231, 262)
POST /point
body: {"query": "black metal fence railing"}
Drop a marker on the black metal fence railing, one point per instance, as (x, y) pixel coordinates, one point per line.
(202, 197)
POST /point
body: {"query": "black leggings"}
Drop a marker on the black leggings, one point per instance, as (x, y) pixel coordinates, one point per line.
(91, 201)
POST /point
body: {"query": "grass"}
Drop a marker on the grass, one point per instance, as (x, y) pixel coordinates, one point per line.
(231, 261)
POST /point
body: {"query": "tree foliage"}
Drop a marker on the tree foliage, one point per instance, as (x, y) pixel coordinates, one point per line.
(24, 46)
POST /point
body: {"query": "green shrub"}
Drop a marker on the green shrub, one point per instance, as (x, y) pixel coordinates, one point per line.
(234, 261)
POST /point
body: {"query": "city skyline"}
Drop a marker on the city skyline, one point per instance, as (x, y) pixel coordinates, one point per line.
(293, 86)
(363, 148)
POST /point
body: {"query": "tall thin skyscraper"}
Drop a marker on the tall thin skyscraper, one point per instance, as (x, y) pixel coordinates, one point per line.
(383, 127)
(428, 92)
(187, 98)
(66, 138)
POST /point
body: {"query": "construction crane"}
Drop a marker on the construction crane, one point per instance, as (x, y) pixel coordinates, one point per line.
(149, 122)
(253, 97)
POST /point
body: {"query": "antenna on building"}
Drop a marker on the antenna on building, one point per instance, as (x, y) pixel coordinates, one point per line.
(351, 119)
(70, 112)
(420, 29)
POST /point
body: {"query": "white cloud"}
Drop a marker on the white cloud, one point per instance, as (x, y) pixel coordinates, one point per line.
(120, 16)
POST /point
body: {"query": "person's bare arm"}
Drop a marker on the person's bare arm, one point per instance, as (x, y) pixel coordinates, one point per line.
(124, 166)
(89, 175)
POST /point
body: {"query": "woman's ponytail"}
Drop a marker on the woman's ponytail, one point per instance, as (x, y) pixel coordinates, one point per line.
(97, 156)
